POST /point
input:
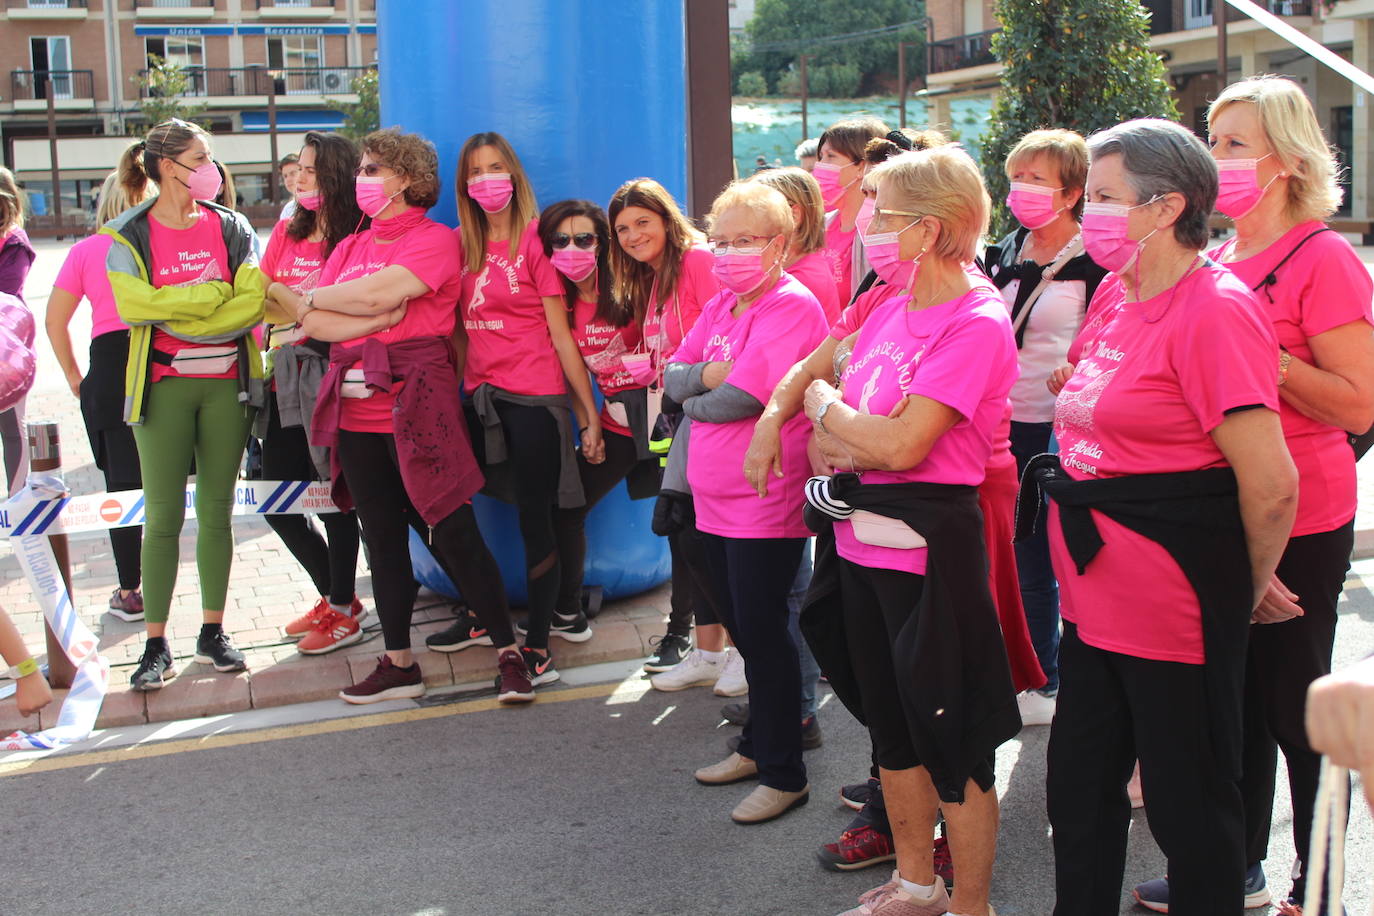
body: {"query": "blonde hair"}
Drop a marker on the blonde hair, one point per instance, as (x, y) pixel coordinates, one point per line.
(767, 207)
(11, 203)
(1066, 150)
(1290, 125)
(472, 219)
(801, 190)
(944, 184)
(634, 280)
(127, 186)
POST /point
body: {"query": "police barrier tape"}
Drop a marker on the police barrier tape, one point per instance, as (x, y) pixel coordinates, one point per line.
(44, 508)
(25, 514)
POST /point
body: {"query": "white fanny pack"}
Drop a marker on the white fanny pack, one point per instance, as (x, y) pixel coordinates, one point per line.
(354, 386)
(881, 531)
(617, 413)
(205, 360)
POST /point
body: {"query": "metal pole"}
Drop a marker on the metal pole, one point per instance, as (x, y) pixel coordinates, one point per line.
(901, 82)
(45, 455)
(805, 131)
(52, 154)
(272, 132)
(1219, 19)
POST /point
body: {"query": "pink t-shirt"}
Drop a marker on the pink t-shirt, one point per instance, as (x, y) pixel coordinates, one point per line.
(666, 326)
(960, 353)
(185, 257)
(83, 275)
(782, 327)
(1321, 287)
(430, 252)
(813, 270)
(503, 314)
(1153, 380)
(839, 252)
(602, 345)
(292, 262)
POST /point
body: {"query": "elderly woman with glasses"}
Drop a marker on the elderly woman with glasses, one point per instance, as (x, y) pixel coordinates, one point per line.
(751, 333)
(1172, 501)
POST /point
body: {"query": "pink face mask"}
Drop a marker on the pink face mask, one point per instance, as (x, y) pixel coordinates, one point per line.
(371, 195)
(641, 368)
(203, 181)
(883, 251)
(1032, 204)
(492, 191)
(574, 263)
(865, 215)
(740, 270)
(1105, 228)
(308, 200)
(827, 175)
(1238, 190)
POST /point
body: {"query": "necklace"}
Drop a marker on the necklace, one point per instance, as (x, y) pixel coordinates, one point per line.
(1193, 265)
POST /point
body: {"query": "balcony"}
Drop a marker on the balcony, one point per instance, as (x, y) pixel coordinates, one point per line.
(174, 9)
(71, 90)
(46, 9)
(1197, 14)
(295, 9)
(957, 53)
(238, 82)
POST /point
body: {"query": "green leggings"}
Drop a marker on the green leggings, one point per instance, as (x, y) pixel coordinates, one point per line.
(186, 417)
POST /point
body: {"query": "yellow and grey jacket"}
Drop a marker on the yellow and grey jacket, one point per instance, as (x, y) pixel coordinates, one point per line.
(214, 312)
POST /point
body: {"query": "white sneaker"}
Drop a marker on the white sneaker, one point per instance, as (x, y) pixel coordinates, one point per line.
(1035, 708)
(731, 682)
(695, 670)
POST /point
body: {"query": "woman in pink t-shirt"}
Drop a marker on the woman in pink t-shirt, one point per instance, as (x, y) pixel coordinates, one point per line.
(806, 258)
(102, 406)
(389, 408)
(1173, 393)
(327, 212)
(577, 240)
(751, 333)
(1278, 183)
(522, 369)
(664, 274)
(840, 171)
(16, 257)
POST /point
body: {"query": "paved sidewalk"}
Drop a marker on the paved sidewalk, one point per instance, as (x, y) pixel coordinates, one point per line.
(267, 589)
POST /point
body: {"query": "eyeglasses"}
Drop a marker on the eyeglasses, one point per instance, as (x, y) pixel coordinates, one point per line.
(720, 246)
(582, 240)
(880, 217)
(372, 169)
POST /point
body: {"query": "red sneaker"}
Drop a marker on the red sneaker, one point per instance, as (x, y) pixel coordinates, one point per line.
(513, 682)
(309, 620)
(334, 631)
(944, 862)
(856, 849)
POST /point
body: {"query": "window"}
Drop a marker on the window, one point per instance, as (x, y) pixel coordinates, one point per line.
(47, 4)
(186, 52)
(298, 60)
(973, 16)
(51, 60)
(291, 3)
(1197, 14)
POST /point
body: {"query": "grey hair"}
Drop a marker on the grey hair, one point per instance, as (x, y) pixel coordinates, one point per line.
(807, 148)
(1162, 157)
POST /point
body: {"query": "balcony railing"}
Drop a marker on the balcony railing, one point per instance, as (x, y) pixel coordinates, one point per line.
(173, 4)
(295, 4)
(240, 81)
(30, 85)
(958, 53)
(46, 4)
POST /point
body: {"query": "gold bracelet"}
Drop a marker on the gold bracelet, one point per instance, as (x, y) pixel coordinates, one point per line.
(1285, 360)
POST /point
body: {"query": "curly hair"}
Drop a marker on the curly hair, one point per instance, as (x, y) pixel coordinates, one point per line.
(411, 156)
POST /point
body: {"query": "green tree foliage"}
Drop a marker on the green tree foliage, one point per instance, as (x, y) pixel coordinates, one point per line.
(751, 84)
(163, 90)
(365, 115)
(1080, 64)
(783, 29)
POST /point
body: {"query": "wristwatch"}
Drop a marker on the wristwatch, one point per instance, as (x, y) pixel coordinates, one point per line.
(23, 669)
(823, 410)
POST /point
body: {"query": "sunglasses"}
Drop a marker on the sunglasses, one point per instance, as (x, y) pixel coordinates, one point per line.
(582, 240)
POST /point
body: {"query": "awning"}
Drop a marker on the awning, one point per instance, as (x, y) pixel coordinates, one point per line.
(293, 120)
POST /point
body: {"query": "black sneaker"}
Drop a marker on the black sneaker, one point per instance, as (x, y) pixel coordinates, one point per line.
(572, 627)
(541, 667)
(669, 649)
(735, 713)
(811, 736)
(856, 795)
(154, 668)
(466, 631)
(216, 649)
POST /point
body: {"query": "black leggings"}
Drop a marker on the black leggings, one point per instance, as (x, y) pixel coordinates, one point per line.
(332, 566)
(535, 456)
(570, 525)
(368, 461)
(693, 594)
(14, 440)
(119, 459)
(1282, 661)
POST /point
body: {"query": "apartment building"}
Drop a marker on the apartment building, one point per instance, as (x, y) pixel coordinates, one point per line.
(961, 64)
(88, 58)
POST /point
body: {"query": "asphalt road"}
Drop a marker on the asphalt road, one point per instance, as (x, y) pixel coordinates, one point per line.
(581, 804)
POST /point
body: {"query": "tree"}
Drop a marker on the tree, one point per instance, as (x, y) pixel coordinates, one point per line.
(752, 84)
(365, 115)
(1079, 64)
(163, 90)
(783, 29)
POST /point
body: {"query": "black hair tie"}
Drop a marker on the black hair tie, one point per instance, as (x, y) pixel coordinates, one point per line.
(899, 139)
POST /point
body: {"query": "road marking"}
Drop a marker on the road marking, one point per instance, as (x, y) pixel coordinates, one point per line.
(286, 732)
